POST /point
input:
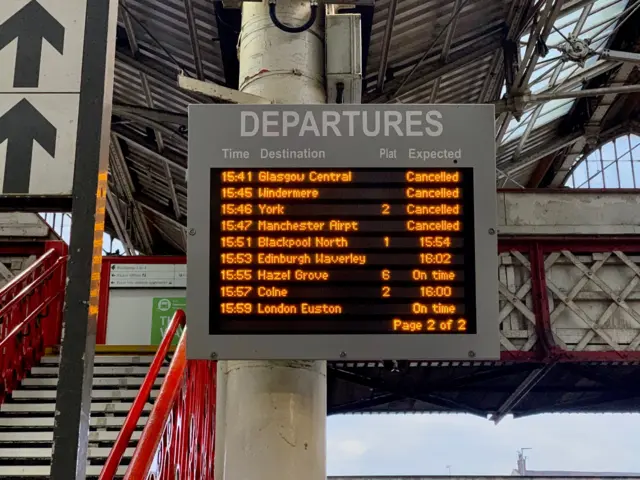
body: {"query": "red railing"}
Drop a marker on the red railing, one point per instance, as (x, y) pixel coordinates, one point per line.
(178, 439)
(31, 316)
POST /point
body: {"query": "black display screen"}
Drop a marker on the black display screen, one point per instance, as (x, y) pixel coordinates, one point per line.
(333, 251)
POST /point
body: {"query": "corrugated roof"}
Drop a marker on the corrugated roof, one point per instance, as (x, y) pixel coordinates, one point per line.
(433, 51)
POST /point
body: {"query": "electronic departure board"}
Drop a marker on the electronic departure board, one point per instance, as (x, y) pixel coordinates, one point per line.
(342, 251)
(321, 252)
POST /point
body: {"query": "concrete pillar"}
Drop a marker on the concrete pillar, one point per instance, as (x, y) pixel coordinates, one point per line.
(275, 412)
(221, 409)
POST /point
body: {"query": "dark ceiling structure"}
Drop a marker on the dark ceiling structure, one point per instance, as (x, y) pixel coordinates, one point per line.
(415, 51)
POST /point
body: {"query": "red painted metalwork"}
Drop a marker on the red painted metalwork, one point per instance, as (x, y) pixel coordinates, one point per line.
(178, 439)
(107, 262)
(18, 248)
(535, 247)
(31, 316)
(546, 342)
(122, 442)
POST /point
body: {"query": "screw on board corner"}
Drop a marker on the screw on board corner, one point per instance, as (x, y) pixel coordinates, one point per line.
(343, 354)
(472, 354)
(492, 231)
(213, 356)
(192, 231)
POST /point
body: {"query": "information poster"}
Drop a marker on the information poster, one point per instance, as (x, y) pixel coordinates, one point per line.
(162, 312)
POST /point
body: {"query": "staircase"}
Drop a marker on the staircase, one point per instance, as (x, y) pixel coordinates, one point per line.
(26, 419)
(178, 395)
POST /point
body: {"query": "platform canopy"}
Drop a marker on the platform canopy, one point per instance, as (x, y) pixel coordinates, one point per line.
(530, 57)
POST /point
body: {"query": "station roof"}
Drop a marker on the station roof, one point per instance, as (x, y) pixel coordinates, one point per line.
(415, 51)
(484, 389)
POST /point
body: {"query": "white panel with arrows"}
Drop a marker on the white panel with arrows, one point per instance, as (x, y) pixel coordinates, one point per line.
(41, 43)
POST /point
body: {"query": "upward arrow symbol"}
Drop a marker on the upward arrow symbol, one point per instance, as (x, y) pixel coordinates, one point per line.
(20, 126)
(31, 25)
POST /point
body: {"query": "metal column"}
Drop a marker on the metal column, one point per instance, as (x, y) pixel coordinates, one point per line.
(73, 399)
(275, 412)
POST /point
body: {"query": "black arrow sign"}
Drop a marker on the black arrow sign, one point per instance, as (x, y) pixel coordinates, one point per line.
(31, 25)
(20, 126)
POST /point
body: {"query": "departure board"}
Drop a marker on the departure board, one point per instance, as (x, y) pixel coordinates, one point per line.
(342, 232)
(342, 251)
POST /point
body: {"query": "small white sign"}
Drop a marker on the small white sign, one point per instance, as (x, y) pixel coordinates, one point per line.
(147, 276)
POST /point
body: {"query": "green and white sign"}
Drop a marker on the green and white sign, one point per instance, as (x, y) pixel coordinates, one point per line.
(161, 315)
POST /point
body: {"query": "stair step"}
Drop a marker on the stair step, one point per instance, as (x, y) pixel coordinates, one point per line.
(107, 394)
(27, 418)
(103, 436)
(38, 408)
(42, 471)
(107, 360)
(45, 453)
(47, 422)
(97, 371)
(97, 382)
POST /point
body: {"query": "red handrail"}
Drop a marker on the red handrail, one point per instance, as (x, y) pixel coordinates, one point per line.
(30, 316)
(178, 440)
(152, 433)
(122, 441)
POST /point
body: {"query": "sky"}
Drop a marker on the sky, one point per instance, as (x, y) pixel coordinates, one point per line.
(427, 444)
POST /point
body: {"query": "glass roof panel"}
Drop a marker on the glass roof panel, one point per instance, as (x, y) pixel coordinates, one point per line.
(595, 21)
(615, 164)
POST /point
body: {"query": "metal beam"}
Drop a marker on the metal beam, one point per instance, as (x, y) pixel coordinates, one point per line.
(539, 31)
(594, 123)
(431, 392)
(228, 23)
(113, 210)
(446, 47)
(527, 131)
(124, 184)
(505, 105)
(220, 92)
(386, 44)
(483, 45)
(617, 55)
(152, 114)
(155, 70)
(158, 209)
(585, 76)
(144, 81)
(528, 159)
(364, 404)
(128, 27)
(493, 83)
(520, 393)
(451, 30)
(176, 136)
(432, 68)
(193, 36)
(138, 141)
